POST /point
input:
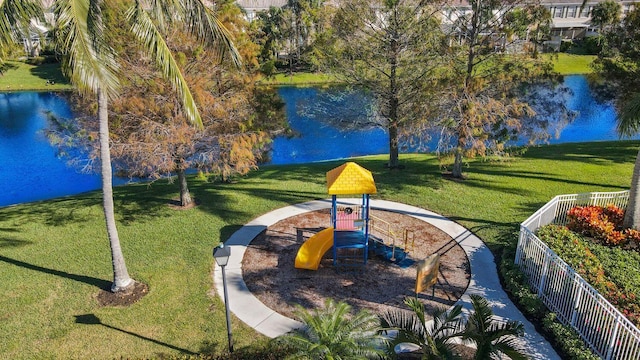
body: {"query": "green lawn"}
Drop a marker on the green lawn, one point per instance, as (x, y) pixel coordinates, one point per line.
(569, 64)
(564, 64)
(299, 78)
(19, 76)
(54, 255)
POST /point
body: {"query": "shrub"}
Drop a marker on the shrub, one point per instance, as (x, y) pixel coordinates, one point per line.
(565, 45)
(610, 282)
(567, 339)
(572, 249)
(603, 224)
(564, 339)
(592, 45)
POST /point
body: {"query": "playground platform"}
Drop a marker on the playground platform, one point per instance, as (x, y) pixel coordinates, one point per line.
(484, 278)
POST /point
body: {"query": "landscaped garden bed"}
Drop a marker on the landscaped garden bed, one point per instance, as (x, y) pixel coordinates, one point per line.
(595, 246)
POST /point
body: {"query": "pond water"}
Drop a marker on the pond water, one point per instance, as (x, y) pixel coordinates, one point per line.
(29, 168)
(31, 171)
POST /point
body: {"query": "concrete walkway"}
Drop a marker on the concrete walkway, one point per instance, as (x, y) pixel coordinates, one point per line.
(484, 276)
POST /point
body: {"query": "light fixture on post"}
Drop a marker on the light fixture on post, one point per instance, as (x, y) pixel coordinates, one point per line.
(221, 255)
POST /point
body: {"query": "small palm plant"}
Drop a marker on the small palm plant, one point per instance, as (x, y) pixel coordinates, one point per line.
(435, 338)
(493, 340)
(332, 333)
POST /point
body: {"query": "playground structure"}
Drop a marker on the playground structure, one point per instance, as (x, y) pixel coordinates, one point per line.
(350, 234)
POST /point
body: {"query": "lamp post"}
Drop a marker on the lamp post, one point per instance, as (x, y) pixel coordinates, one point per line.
(221, 255)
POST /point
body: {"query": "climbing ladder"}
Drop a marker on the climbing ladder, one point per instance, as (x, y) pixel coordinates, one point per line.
(350, 244)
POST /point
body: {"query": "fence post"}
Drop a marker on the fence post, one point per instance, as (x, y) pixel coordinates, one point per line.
(520, 245)
(576, 303)
(614, 337)
(543, 276)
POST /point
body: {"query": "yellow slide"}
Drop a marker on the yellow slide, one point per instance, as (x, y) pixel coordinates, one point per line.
(312, 250)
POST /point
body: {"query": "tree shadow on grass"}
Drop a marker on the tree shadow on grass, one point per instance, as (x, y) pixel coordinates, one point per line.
(57, 212)
(7, 66)
(50, 72)
(91, 319)
(12, 242)
(529, 175)
(99, 283)
(596, 152)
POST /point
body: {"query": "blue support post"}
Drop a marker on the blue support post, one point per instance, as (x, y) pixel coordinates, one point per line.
(365, 211)
(334, 214)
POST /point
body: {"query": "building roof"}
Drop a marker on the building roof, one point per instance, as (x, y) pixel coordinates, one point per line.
(261, 4)
(349, 179)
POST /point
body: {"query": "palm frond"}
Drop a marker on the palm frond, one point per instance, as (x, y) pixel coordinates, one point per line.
(434, 337)
(148, 34)
(203, 23)
(491, 338)
(408, 326)
(447, 324)
(510, 347)
(15, 16)
(482, 313)
(90, 62)
(629, 120)
(331, 333)
(164, 12)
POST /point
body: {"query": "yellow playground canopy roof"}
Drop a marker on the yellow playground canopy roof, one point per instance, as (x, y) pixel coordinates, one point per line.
(349, 179)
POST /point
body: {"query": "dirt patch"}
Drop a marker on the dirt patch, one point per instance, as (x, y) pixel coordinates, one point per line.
(380, 286)
(175, 204)
(123, 298)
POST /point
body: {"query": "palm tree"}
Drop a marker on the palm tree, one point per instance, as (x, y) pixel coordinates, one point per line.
(435, 338)
(91, 64)
(619, 63)
(628, 125)
(331, 333)
(492, 339)
(15, 16)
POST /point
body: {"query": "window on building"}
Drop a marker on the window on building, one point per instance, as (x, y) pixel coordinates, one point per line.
(571, 11)
(585, 11)
(557, 13)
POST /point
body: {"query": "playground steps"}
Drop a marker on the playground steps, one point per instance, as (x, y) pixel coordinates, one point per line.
(350, 249)
(396, 255)
(390, 244)
(349, 258)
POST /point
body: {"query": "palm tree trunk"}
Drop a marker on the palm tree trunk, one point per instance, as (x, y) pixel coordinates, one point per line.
(456, 171)
(632, 214)
(121, 279)
(185, 195)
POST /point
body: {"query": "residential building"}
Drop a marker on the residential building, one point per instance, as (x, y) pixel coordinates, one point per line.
(571, 21)
(251, 7)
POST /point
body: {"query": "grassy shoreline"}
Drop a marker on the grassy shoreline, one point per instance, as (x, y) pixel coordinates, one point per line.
(55, 254)
(19, 76)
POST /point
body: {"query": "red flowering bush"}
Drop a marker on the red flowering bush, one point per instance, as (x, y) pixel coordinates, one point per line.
(602, 224)
(633, 236)
(614, 214)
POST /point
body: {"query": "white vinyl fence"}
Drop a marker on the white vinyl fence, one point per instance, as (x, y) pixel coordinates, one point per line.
(609, 333)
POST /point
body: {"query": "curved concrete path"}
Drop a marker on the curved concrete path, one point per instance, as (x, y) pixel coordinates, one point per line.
(484, 276)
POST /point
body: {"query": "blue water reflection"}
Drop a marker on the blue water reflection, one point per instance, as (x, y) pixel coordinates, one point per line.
(29, 167)
(595, 121)
(30, 170)
(317, 139)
